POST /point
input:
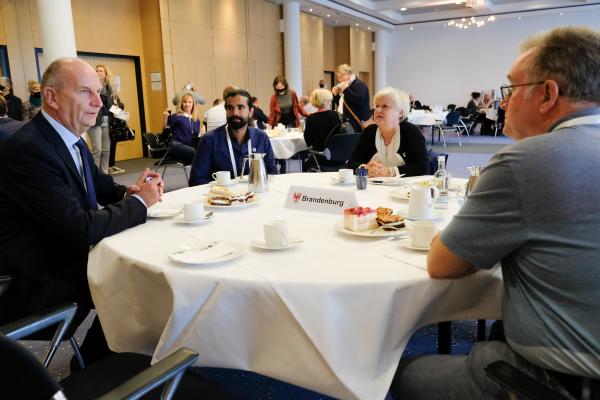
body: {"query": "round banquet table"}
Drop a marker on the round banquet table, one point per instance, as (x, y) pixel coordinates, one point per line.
(288, 144)
(333, 314)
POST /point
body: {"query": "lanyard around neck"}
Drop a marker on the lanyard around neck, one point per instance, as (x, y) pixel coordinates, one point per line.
(231, 156)
(586, 120)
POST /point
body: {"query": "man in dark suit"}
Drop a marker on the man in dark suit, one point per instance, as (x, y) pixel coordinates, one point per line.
(8, 126)
(49, 196)
(351, 97)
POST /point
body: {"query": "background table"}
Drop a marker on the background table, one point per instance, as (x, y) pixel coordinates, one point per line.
(332, 315)
(427, 119)
(287, 145)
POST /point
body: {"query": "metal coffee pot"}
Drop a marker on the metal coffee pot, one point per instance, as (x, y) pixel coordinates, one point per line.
(258, 181)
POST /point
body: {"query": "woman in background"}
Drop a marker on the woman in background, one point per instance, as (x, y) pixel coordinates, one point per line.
(185, 128)
(284, 107)
(32, 106)
(392, 146)
(320, 123)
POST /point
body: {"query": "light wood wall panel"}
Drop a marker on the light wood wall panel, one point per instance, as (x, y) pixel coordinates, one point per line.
(361, 55)
(342, 45)
(328, 48)
(2, 31)
(216, 43)
(311, 28)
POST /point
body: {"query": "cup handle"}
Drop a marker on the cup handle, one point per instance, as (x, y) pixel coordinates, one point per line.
(434, 195)
(214, 176)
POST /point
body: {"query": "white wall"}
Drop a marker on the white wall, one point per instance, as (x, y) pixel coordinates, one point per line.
(442, 65)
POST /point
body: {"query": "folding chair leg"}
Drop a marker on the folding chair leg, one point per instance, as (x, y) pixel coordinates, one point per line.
(77, 352)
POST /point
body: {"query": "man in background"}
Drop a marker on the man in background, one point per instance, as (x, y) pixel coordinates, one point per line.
(351, 97)
(8, 126)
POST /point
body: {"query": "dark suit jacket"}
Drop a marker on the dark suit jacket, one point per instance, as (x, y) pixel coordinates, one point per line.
(356, 96)
(412, 149)
(318, 125)
(47, 227)
(8, 126)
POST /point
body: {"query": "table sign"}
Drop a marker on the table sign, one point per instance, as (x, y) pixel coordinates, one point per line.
(320, 200)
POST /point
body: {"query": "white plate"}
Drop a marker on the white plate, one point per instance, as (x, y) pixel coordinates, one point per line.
(195, 253)
(336, 181)
(207, 217)
(231, 182)
(407, 244)
(293, 241)
(402, 193)
(371, 234)
(162, 210)
(387, 180)
(437, 215)
(238, 205)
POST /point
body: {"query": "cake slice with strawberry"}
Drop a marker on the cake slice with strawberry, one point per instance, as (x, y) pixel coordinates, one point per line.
(360, 219)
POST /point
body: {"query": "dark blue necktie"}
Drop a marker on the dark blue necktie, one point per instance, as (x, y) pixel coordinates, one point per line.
(87, 174)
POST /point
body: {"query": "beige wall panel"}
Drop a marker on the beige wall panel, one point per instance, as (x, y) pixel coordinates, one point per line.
(197, 12)
(168, 81)
(203, 45)
(115, 27)
(182, 39)
(2, 31)
(264, 49)
(229, 44)
(164, 9)
(15, 50)
(26, 41)
(203, 82)
(263, 18)
(264, 74)
(183, 70)
(227, 72)
(229, 15)
(328, 48)
(165, 27)
(342, 46)
(35, 28)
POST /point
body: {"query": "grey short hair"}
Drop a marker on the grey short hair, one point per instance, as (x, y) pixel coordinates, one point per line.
(400, 99)
(571, 57)
(319, 97)
(344, 69)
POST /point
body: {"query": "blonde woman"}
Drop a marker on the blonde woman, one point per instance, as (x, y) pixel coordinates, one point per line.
(392, 145)
(99, 133)
(320, 123)
(32, 106)
(185, 128)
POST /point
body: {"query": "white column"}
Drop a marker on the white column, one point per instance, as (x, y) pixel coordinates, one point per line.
(56, 24)
(380, 60)
(291, 43)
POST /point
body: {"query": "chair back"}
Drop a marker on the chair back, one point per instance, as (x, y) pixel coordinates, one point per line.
(4, 282)
(452, 118)
(155, 148)
(341, 146)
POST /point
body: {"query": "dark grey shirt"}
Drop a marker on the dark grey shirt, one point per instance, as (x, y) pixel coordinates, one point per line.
(536, 208)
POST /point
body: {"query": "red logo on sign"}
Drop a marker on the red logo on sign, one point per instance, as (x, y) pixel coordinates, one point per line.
(297, 196)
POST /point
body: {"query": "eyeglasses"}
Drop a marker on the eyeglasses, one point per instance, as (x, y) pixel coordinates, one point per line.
(506, 90)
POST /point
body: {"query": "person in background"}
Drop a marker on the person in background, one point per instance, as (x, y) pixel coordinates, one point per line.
(99, 134)
(258, 115)
(216, 116)
(188, 88)
(473, 104)
(284, 107)
(8, 126)
(321, 84)
(322, 122)
(224, 148)
(184, 127)
(540, 223)
(351, 97)
(55, 203)
(306, 107)
(392, 146)
(13, 103)
(33, 105)
(486, 124)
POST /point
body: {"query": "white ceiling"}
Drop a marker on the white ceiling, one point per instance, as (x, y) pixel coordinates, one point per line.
(393, 14)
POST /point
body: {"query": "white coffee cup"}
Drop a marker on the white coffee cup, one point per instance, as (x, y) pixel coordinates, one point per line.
(223, 178)
(346, 175)
(421, 233)
(193, 211)
(276, 234)
(420, 204)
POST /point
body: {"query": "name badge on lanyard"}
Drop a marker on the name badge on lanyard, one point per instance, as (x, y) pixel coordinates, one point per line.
(231, 156)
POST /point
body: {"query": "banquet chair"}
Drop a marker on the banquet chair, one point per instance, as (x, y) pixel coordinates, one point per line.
(451, 124)
(155, 149)
(4, 282)
(337, 152)
(119, 376)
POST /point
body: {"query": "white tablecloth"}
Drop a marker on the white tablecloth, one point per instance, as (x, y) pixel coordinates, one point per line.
(426, 118)
(491, 113)
(288, 144)
(332, 314)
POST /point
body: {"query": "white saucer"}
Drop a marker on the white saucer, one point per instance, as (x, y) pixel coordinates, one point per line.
(207, 217)
(387, 180)
(437, 215)
(204, 253)
(231, 182)
(162, 210)
(336, 181)
(293, 241)
(407, 244)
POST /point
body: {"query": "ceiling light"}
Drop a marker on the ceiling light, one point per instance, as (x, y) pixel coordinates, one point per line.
(411, 28)
(328, 15)
(561, 13)
(519, 18)
(356, 24)
(403, 9)
(310, 9)
(451, 22)
(368, 27)
(463, 20)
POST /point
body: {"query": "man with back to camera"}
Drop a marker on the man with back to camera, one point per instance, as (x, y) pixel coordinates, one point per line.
(536, 210)
(8, 126)
(50, 194)
(351, 97)
(224, 148)
(216, 116)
